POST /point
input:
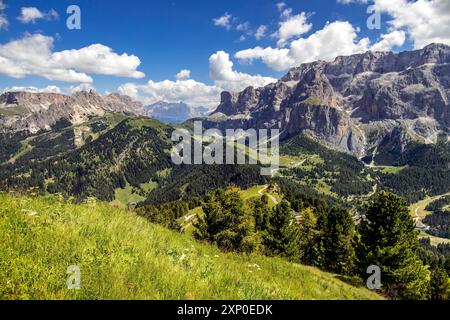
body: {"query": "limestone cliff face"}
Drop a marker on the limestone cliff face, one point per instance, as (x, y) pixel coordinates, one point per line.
(25, 111)
(32, 102)
(352, 103)
(123, 104)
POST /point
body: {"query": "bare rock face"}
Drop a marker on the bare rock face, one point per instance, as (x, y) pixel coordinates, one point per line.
(123, 104)
(353, 103)
(30, 101)
(25, 111)
(243, 102)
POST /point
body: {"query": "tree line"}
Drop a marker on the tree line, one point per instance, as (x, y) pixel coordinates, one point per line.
(311, 232)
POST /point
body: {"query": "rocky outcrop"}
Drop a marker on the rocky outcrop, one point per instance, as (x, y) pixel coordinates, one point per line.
(25, 111)
(31, 102)
(352, 103)
(123, 104)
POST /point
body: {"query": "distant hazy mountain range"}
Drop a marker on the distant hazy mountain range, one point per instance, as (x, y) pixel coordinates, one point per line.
(175, 113)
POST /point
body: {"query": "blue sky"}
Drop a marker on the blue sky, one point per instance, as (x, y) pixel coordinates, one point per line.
(169, 36)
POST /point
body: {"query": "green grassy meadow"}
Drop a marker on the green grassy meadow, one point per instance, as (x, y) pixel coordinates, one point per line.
(122, 256)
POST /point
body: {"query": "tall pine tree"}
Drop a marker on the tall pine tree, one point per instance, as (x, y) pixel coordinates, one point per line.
(282, 237)
(439, 285)
(337, 233)
(228, 222)
(309, 238)
(389, 241)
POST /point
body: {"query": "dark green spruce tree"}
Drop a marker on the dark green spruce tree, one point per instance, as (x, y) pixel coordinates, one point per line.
(262, 213)
(389, 241)
(282, 237)
(337, 234)
(309, 238)
(439, 285)
(228, 222)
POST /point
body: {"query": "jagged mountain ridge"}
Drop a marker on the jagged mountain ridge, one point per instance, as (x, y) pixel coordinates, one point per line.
(353, 103)
(26, 111)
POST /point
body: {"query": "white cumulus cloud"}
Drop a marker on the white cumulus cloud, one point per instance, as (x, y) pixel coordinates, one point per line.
(183, 74)
(221, 71)
(223, 21)
(337, 38)
(388, 41)
(32, 14)
(422, 21)
(244, 26)
(293, 26)
(260, 32)
(189, 91)
(425, 21)
(280, 6)
(80, 87)
(18, 61)
(196, 93)
(99, 59)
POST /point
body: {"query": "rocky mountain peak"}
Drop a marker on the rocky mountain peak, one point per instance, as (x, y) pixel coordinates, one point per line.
(297, 73)
(123, 104)
(32, 102)
(436, 53)
(353, 102)
(39, 111)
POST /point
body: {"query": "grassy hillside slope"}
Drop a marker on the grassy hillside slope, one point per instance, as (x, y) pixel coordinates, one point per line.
(122, 256)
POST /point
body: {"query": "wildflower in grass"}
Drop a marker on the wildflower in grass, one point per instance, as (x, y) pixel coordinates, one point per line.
(255, 266)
